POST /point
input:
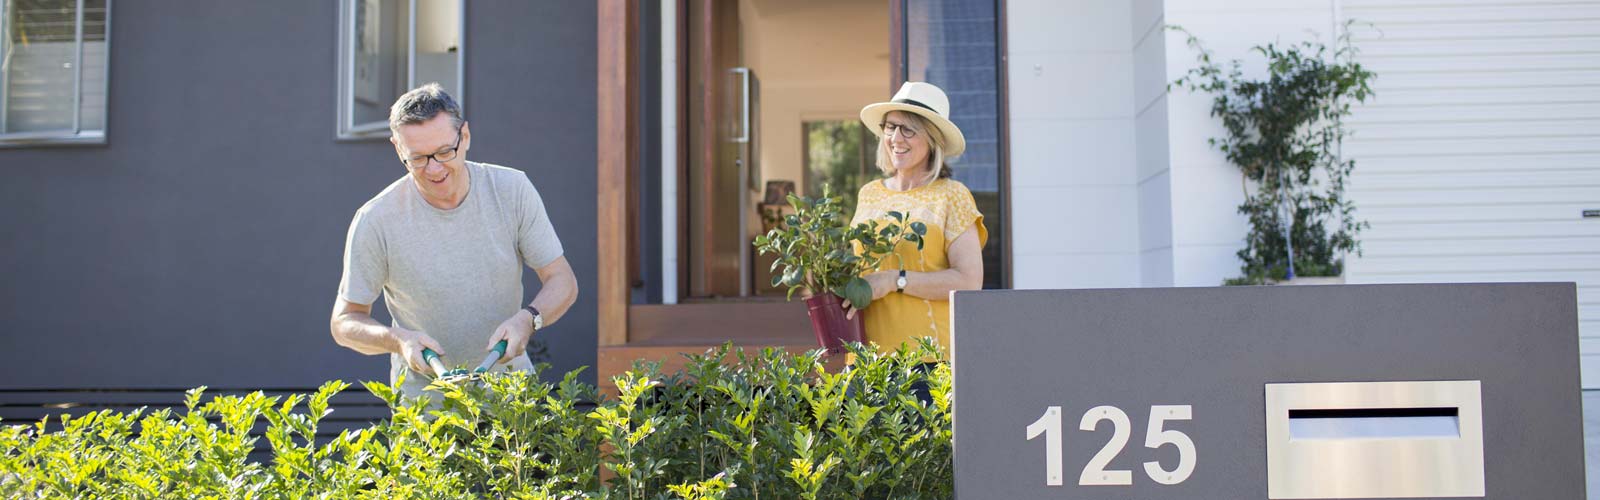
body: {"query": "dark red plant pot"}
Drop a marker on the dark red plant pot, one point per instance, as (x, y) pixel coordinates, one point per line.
(828, 322)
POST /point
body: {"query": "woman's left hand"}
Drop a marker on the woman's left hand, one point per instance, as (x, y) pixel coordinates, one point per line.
(883, 282)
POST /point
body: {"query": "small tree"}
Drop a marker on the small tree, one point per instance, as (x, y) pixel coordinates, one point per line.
(1284, 134)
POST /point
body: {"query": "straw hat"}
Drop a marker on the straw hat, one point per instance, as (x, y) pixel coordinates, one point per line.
(925, 100)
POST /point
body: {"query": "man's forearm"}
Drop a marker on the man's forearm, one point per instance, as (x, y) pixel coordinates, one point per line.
(359, 332)
(555, 297)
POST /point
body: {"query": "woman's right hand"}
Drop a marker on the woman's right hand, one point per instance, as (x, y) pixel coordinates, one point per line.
(883, 283)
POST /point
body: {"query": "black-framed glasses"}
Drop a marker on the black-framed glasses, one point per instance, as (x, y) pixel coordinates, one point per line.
(894, 128)
(441, 157)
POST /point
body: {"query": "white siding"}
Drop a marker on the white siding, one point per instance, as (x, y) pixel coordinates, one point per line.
(1483, 146)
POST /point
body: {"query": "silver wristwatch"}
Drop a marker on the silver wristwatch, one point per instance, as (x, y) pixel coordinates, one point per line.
(538, 320)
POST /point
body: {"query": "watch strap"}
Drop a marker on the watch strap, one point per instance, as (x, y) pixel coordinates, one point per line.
(538, 321)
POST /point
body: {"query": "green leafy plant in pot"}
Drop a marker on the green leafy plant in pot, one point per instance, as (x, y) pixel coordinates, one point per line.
(817, 249)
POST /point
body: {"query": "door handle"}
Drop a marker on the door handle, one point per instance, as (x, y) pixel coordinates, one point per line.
(744, 104)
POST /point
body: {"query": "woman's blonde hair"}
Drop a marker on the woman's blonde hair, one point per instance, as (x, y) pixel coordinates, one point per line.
(936, 144)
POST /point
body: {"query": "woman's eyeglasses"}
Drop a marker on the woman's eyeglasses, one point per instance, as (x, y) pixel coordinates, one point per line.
(893, 128)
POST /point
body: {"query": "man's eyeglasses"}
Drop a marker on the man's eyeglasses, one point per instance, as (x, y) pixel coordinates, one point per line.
(441, 157)
(891, 128)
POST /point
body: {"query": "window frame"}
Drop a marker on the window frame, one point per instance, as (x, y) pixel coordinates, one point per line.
(75, 135)
(900, 57)
(345, 128)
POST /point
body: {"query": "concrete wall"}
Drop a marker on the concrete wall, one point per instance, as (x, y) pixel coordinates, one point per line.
(202, 245)
(1074, 181)
(1153, 159)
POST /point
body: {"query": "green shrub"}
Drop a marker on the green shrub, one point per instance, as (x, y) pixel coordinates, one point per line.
(1284, 133)
(731, 425)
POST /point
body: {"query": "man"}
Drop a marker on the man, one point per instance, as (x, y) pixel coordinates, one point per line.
(445, 245)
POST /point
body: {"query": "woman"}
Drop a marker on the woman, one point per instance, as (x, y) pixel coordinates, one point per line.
(911, 289)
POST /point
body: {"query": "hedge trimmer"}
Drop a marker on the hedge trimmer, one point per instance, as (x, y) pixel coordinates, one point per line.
(460, 375)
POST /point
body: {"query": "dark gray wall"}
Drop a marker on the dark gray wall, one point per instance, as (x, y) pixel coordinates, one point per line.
(1018, 352)
(203, 244)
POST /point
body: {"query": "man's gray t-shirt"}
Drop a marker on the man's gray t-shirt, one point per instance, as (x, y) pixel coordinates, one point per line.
(453, 274)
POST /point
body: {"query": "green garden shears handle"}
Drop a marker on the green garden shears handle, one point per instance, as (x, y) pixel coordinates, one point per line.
(432, 358)
(494, 355)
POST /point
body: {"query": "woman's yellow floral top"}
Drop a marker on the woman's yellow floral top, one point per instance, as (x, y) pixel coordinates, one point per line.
(946, 207)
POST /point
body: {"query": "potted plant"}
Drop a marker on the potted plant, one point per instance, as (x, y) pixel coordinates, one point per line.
(817, 249)
(1284, 133)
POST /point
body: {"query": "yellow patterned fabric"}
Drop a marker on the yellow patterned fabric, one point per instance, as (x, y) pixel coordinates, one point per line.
(946, 207)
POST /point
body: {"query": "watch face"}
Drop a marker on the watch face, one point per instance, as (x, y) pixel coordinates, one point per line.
(538, 321)
(900, 282)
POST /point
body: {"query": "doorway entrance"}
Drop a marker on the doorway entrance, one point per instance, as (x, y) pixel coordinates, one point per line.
(712, 110)
(762, 76)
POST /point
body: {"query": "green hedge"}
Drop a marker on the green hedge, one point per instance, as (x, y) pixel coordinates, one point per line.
(730, 425)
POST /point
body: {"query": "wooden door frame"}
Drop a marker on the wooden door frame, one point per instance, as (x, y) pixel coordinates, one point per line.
(614, 116)
(619, 320)
(1008, 261)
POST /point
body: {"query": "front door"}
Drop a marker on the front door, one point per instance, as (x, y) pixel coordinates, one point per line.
(762, 76)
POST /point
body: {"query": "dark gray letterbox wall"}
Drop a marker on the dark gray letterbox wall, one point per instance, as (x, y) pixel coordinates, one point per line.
(1018, 353)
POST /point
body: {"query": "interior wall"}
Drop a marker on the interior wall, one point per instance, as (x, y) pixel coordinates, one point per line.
(436, 25)
(815, 60)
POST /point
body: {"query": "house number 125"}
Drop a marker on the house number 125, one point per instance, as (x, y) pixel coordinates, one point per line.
(1095, 473)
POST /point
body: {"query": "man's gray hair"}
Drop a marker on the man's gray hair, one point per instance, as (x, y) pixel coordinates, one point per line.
(422, 104)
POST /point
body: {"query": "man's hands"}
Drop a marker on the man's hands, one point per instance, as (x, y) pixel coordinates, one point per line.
(516, 331)
(411, 345)
(353, 327)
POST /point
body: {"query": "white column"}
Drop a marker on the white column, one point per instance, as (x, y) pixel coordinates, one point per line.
(669, 152)
(1073, 163)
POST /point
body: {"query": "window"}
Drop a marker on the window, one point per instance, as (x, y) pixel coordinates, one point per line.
(840, 153)
(53, 67)
(387, 47)
(955, 44)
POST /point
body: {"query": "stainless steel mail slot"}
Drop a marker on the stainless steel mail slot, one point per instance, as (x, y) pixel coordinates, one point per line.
(1374, 440)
